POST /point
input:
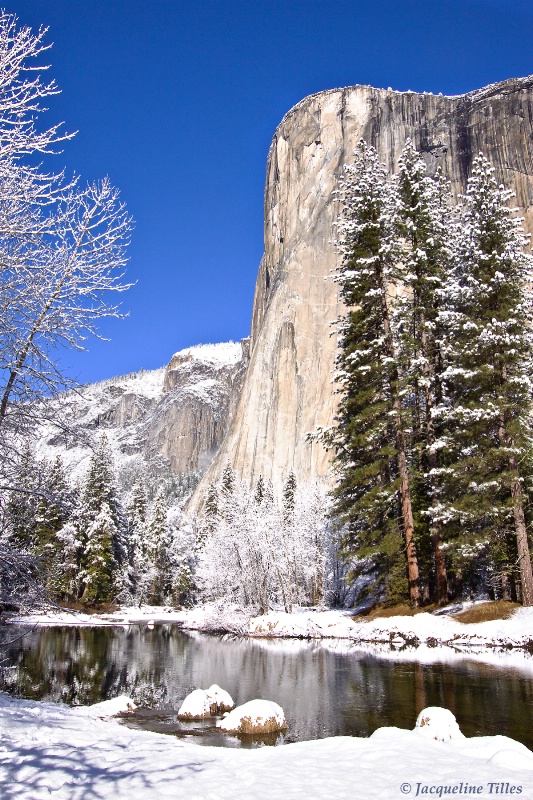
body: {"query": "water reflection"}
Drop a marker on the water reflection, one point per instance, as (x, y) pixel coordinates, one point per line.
(323, 692)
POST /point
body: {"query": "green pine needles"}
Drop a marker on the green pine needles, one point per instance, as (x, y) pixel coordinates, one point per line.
(433, 432)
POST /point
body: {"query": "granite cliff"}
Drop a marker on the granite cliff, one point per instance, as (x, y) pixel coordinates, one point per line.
(287, 390)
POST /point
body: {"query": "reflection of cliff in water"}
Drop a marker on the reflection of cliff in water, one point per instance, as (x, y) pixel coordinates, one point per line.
(323, 693)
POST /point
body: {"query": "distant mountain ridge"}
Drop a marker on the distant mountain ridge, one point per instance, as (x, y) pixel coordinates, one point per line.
(166, 422)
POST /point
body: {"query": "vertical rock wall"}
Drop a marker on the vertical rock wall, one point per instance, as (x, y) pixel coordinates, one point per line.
(288, 390)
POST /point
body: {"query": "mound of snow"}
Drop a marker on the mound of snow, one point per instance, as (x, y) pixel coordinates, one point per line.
(196, 705)
(438, 723)
(107, 708)
(220, 700)
(256, 716)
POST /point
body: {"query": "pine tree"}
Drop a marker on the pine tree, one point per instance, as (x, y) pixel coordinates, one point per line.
(259, 490)
(137, 555)
(21, 507)
(100, 565)
(100, 493)
(158, 551)
(66, 579)
(370, 437)
(425, 225)
(488, 376)
(289, 496)
(54, 510)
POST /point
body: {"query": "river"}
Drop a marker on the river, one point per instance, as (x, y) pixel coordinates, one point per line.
(324, 689)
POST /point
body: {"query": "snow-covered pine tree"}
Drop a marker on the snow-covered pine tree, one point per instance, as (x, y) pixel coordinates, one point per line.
(66, 582)
(54, 510)
(21, 506)
(101, 491)
(488, 413)
(99, 573)
(137, 555)
(425, 226)
(370, 437)
(158, 551)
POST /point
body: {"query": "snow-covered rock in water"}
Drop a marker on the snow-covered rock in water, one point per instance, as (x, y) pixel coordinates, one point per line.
(256, 716)
(196, 705)
(438, 723)
(219, 700)
(107, 708)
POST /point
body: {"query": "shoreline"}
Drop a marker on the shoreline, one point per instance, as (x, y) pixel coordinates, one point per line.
(73, 753)
(431, 631)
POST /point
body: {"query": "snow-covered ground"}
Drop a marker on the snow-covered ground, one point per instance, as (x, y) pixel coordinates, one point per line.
(421, 629)
(49, 750)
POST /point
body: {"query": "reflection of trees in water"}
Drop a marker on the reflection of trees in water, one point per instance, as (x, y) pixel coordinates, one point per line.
(485, 699)
(323, 693)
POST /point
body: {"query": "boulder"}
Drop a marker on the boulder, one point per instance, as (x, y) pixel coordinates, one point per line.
(196, 705)
(256, 716)
(220, 701)
(438, 723)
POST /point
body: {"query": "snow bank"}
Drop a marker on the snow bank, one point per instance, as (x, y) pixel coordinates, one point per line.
(421, 629)
(107, 708)
(256, 716)
(438, 723)
(49, 750)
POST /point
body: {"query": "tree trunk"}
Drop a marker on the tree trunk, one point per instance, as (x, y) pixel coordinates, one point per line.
(435, 530)
(403, 472)
(524, 558)
(408, 523)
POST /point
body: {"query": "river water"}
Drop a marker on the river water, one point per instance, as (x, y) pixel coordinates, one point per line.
(324, 689)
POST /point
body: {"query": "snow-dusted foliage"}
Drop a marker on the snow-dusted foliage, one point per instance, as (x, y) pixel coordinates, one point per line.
(486, 412)
(373, 497)
(62, 246)
(258, 551)
(434, 430)
(62, 250)
(82, 543)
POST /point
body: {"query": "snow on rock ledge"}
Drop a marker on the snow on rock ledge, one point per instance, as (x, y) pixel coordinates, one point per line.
(256, 716)
(196, 705)
(438, 723)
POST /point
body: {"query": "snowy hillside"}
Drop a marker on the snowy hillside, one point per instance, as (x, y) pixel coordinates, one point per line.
(165, 423)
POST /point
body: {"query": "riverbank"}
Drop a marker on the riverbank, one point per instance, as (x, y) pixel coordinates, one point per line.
(422, 629)
(53, 750)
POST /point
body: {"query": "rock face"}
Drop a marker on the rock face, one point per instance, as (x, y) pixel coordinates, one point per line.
(288, 391)
(166, 422)
(201, 389)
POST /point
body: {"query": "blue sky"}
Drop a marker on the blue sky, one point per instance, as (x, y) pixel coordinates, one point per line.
(177, 101)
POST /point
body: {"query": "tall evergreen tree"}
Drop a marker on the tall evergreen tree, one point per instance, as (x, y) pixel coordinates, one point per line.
(137, 555)
(101, 495)
(370, 435)
(99, 574)
(21, 506)
(158, 551)
(425, 225)
(54, 510)
(488, 412)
